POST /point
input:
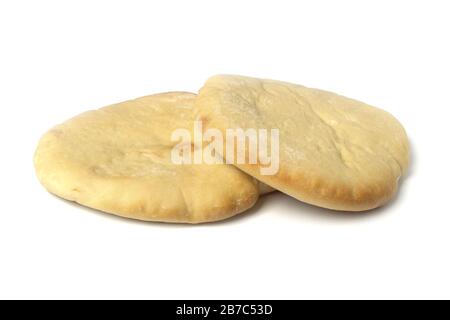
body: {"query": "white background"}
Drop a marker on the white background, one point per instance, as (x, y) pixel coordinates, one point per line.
(59, 58)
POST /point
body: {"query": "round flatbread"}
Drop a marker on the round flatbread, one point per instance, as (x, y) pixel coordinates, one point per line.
(334, 152)
(118, 159)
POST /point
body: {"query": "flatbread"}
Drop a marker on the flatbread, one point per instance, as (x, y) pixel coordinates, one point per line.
(335, 152)
(117, 159)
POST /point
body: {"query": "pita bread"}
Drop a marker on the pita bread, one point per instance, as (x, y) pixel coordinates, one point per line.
(335, 152)
(117, 159)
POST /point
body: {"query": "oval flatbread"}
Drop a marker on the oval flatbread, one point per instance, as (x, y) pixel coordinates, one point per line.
(118, 159)
(334, 152)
